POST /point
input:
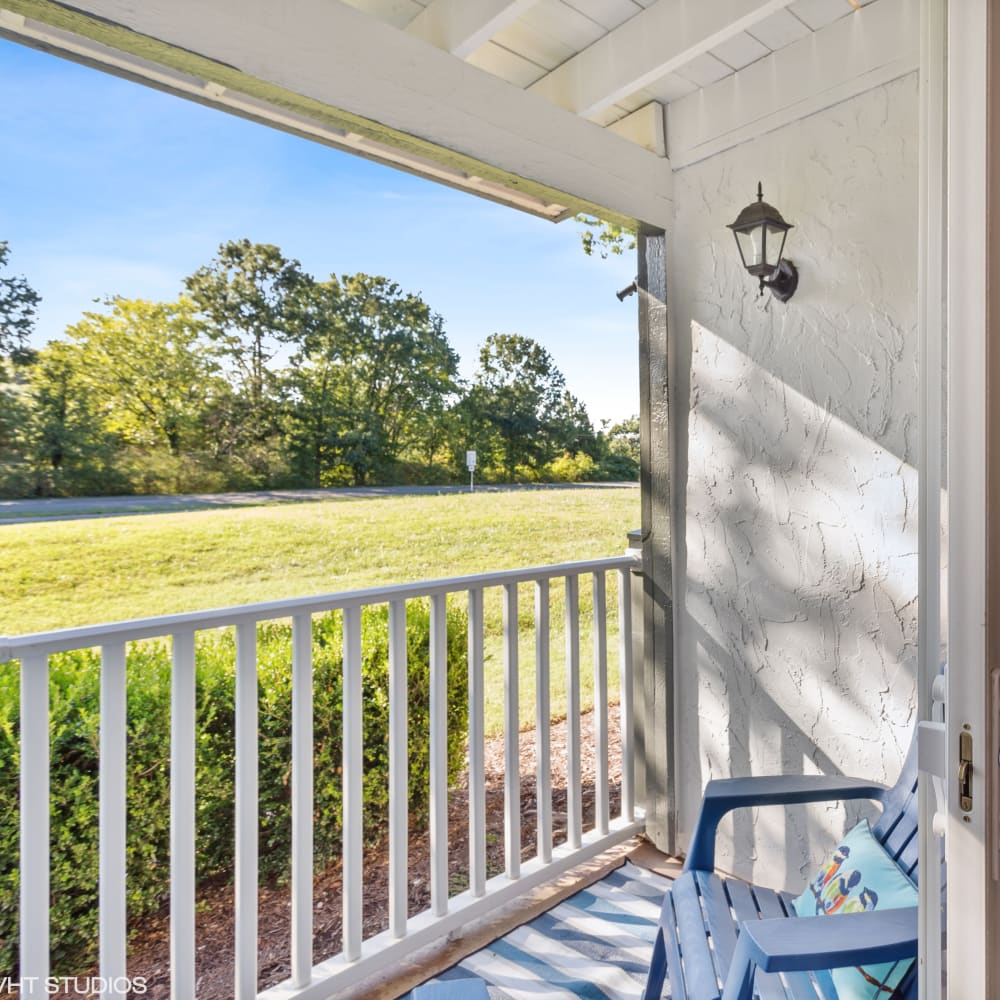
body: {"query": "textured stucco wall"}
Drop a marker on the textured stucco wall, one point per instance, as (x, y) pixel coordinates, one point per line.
(796, 648)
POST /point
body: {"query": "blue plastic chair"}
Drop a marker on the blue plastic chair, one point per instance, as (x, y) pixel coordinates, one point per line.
(718, 931)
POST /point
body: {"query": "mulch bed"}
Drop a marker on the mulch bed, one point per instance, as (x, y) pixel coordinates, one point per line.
(149, 949)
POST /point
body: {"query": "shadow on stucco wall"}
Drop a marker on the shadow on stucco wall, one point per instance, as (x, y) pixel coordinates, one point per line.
(794, 436)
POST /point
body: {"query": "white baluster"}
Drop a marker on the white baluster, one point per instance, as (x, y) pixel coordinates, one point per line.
(574, 798)
(625, 712)
(543, 717)
(511, 732)
(111, 823)
(183, 708)
(477, 748)
(246, 811)
(439, 756)
(352, 795)
(399, 788)
(602, 807)
(302, 800)
(35, 754)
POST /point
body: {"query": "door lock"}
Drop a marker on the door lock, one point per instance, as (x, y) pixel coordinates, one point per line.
(965, 771)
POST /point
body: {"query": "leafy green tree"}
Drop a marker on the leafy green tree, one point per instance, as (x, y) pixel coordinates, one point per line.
(373, 372)
(619, 449)
(571, 429)
(623, 437)
(145, 365)
(518, 396)
(66, 444)
(605, 238)
(15, 475)
(251, 297)
(18, 303)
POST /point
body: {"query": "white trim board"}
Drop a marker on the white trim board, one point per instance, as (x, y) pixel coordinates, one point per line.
(313, 57)
(871, 47)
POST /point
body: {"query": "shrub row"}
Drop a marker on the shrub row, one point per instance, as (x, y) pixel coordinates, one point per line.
(75, 735)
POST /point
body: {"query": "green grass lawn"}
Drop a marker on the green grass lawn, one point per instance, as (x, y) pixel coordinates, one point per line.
(70, 573)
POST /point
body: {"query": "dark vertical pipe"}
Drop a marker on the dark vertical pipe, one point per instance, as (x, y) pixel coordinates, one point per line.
(657, 545)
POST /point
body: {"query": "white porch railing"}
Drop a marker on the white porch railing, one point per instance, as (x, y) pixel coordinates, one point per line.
(359, 958)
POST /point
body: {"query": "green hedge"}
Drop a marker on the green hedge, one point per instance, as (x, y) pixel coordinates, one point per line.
(75, 721)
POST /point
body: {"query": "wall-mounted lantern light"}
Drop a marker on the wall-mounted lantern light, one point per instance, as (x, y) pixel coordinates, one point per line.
(760, 233)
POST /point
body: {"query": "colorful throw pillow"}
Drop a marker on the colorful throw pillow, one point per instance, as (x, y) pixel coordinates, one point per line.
(860, 876)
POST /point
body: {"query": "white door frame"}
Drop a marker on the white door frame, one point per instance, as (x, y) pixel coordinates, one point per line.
(931, 285)
(966, 443)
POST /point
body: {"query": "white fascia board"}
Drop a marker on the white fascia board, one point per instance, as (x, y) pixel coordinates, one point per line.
(657, 41)
(327, 62)
(866, 49)
(461, 26)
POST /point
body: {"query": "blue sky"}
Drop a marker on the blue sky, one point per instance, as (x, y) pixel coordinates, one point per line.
(111, 188)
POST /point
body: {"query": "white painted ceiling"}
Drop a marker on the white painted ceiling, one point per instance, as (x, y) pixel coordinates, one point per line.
(554, 47)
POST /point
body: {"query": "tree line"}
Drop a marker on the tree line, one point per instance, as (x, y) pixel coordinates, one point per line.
(259, 375)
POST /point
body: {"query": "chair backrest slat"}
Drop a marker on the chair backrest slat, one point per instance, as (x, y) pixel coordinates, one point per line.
(896, 829)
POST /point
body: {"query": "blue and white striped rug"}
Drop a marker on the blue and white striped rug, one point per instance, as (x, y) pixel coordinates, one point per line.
(596, 944)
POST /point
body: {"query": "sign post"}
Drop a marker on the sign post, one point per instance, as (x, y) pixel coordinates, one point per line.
(470, 461)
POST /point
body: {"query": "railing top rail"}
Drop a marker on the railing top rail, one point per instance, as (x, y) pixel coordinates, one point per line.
(63, 640)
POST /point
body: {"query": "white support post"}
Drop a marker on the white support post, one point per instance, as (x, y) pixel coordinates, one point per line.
(626, 721)
(602, 808)
(574, 797)
(477, 748)
(931, 298)
(511, 734)
(543, 722)
(352, 794)
(968, 203)
(302, 800)
(183, 707)
(112, 810)
(439, 756)
(246, 811)
(399, 790)
(35, 833)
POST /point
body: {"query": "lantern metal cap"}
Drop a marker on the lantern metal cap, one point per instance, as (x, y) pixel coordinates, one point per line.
(756, 213)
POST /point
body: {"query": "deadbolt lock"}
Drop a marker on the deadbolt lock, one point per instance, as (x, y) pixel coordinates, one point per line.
(965, 771)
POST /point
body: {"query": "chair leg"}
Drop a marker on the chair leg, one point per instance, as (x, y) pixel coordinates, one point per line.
(657, 969)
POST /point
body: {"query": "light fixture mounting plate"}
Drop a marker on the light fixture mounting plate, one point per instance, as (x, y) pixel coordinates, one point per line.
(783, 281)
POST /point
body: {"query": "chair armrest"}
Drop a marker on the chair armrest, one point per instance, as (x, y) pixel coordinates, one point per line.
(725, 794)
(807, 943)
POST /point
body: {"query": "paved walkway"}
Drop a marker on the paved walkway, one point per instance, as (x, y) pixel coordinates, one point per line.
(72, 508)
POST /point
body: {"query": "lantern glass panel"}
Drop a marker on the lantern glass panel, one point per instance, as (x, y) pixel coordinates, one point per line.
(775, 243)
(760, 247)
(751, 244)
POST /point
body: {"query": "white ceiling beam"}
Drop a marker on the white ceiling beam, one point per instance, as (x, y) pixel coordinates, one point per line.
(349, 73)
(461, 26)
(657, 41)
(877, 44)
